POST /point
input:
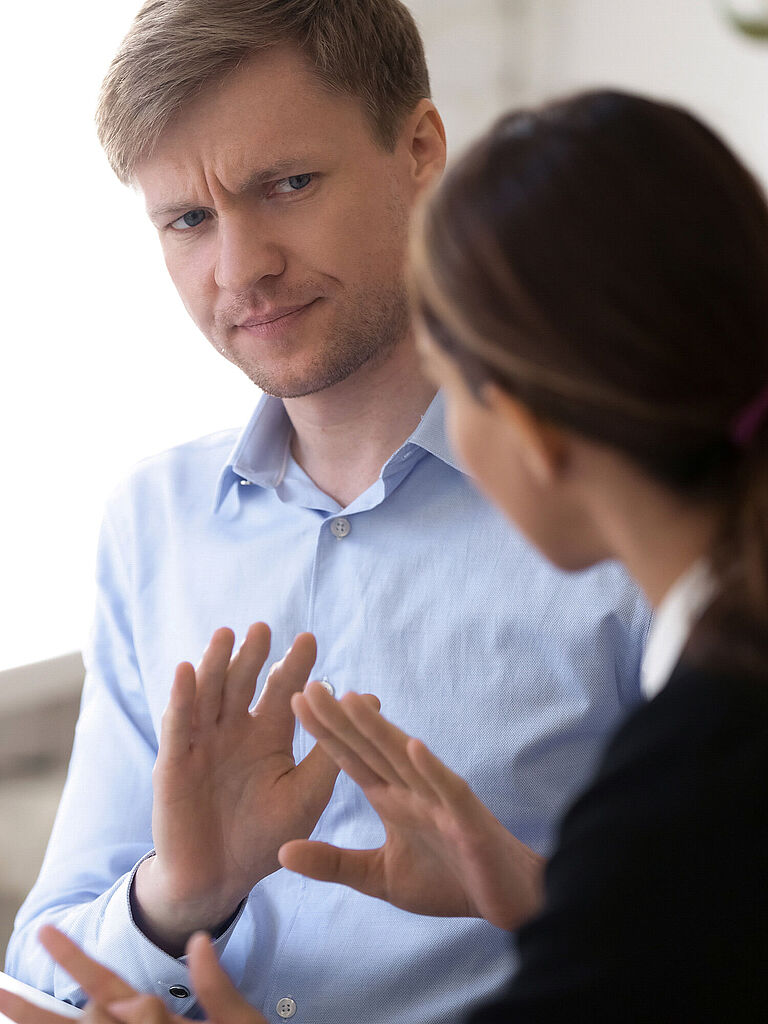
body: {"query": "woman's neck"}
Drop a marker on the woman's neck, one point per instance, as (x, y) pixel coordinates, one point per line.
(655, 533)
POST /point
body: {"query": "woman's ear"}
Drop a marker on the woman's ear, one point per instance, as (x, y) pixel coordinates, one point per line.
(542, 446)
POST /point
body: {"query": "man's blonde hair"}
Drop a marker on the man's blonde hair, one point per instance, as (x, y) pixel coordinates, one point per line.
(174, 49)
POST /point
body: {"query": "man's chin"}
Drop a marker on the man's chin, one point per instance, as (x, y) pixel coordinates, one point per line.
(296, 388)
(290, 384)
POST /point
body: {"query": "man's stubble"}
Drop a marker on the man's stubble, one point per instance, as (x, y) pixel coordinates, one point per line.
(365, 336)
(365, 333)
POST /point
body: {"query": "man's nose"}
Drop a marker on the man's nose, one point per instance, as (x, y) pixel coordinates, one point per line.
(245, 255)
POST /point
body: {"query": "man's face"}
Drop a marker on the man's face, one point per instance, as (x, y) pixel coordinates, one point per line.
(283, 225)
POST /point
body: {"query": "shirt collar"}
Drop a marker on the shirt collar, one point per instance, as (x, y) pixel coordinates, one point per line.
(431, 434)
(261, 453)
(681, 606)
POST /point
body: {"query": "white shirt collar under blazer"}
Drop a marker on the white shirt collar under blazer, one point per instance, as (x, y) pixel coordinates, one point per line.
(682, 605)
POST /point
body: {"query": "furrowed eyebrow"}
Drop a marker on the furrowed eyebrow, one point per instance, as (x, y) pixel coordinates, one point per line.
(158, 213)
(261, 177)
(278, 170)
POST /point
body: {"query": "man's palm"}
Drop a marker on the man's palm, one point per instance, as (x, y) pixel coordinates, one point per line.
(227, 790)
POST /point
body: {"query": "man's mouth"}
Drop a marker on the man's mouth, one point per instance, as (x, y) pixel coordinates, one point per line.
(270, 316)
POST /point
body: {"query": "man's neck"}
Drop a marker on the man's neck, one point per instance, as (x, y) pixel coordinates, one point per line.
(344, 435)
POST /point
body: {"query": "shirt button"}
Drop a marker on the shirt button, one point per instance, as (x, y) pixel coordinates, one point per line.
(179, 992)
(286, 1007)
(340, 528)
(325, 681)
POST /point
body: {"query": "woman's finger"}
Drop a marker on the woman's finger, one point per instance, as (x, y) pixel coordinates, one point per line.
(142, 1010)
(101, 984)
(23, 1012)
(338, 728)
(342, 755)
(391, 742)
(221, 1001)
(453, 791)
(95, 1013)
(359, 869)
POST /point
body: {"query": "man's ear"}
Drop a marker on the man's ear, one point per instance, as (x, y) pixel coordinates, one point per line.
(424, 134)
(543, 447)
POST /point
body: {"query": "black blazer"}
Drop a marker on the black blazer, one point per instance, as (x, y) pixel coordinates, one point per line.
(656, 904)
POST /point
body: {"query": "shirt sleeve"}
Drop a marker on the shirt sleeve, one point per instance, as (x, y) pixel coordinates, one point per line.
(102, 829)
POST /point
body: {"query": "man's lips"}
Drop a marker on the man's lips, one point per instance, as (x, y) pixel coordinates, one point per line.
(271, 315)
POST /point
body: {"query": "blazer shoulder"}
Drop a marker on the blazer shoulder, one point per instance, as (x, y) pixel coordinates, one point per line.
(697, 708)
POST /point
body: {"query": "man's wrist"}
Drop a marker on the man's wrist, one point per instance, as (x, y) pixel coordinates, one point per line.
(169, 924)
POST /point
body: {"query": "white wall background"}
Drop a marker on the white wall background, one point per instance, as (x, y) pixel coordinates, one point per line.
(677, 49)
(100, 365)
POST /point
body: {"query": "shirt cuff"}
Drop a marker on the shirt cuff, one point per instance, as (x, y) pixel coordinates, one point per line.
(152, 970)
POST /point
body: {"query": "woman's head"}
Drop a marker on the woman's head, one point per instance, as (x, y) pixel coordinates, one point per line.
(604, 261)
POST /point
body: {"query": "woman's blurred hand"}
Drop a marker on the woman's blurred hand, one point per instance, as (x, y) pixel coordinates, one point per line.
(113, 1000)
(445, 853)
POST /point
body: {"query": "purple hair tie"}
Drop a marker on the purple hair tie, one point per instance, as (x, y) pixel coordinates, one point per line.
(745, 424)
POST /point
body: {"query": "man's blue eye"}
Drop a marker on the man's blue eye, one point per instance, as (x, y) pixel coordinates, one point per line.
(295, 183)
(191, 219)
(299, 181)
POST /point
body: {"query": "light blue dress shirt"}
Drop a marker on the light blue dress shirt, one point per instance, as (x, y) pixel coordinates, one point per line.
(418, 591)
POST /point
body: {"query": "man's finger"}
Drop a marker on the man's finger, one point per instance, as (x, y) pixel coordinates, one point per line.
(221, 1001)
(98, 981)
(210, 676)
(244, 671)
(358, 869)
(315, 778)
(176, 725)
(285, 678)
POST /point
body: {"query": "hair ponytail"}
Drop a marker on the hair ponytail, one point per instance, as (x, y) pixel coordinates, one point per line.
(740, 568)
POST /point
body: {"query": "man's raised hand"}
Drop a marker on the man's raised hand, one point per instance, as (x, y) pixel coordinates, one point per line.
(445, 853)
(227, 791)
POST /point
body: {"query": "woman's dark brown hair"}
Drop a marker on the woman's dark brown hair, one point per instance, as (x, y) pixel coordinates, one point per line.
(605, 259)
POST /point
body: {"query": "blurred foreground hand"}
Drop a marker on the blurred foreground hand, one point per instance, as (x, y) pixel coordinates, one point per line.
(113, 1000)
